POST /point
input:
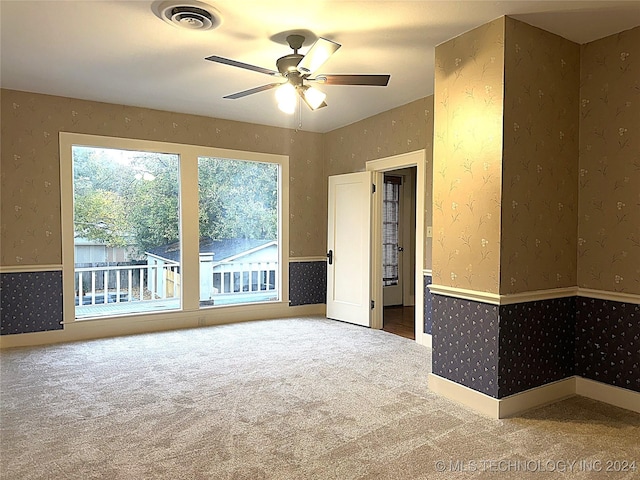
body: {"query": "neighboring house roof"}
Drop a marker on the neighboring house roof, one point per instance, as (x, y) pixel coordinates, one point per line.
(222, 249)
(84, 242)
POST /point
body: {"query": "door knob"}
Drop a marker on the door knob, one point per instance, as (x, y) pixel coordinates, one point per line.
(401, 249)
(330, 257)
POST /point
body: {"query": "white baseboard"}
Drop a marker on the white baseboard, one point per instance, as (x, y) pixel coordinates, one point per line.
(425, 339)
(132, 325)
(468, 397)
(319, 309)
(620, 397)
(32, 339)
(535, 397)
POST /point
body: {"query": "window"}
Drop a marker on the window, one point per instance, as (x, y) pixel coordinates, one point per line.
(139, 238)
(238, 209)
(390, 229)
(125, 211)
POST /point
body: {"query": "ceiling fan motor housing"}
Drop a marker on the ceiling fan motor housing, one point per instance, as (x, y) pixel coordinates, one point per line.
(295, 42)
(288, 64)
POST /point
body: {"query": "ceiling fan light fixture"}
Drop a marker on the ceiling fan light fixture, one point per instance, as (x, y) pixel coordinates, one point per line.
(296, 69)
(314, 97)
(286, 98)
(288, 108)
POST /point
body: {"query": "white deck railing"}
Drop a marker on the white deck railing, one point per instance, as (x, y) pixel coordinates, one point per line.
(126, 283)
(235, 277)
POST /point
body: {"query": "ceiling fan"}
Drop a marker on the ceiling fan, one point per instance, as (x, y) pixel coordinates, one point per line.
(297, 70)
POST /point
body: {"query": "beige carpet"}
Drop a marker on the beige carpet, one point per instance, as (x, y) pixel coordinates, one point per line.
(281, 399)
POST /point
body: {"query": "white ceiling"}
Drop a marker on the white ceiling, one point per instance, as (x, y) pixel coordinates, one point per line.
(120, 52)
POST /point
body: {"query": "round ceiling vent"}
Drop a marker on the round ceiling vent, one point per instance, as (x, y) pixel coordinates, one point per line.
(189, 14)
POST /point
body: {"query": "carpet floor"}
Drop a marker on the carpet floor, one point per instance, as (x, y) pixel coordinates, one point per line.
(304, 398)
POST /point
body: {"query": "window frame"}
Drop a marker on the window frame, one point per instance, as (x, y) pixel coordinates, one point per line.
(189, 229)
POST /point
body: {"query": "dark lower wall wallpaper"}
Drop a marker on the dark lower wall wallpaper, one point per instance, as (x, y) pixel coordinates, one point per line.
(495, 350)
(307, 283)
(537, 344)
(501, 351)
(30, 302)
(428, 300)
(465, 343)
(608, 342)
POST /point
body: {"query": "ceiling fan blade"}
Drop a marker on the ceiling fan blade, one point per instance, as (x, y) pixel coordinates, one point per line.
(251, 91)
(367, 80)
(317, 55)
(234, 63)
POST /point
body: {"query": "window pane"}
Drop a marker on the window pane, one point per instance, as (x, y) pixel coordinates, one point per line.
(390, 231)
(238, 209)
(126, 231)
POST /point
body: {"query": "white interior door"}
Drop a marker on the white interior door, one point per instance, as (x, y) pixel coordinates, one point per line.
(349, 248)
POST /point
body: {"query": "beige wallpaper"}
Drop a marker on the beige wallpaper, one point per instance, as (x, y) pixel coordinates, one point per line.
(540, 160)
(400, 130)
(609, 170)
(29, 169)
(525, 207)
(467, 159)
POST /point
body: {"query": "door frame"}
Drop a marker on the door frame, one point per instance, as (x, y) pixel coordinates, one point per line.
(378, 167)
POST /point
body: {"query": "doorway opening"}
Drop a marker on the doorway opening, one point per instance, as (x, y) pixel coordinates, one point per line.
(398, 251)
(412, 165)
(399, 320)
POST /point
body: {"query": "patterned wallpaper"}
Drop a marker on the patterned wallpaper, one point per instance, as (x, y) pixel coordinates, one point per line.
(465, 340)
(537, 344)
(506, 349)
(547, 196)
(307, 283)
(30, 302)
(467, 159)
(400, 130)
(540, 239)
(609, 174)
(540, 160)
(428, 305)
(30, 178)
(608, 342)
